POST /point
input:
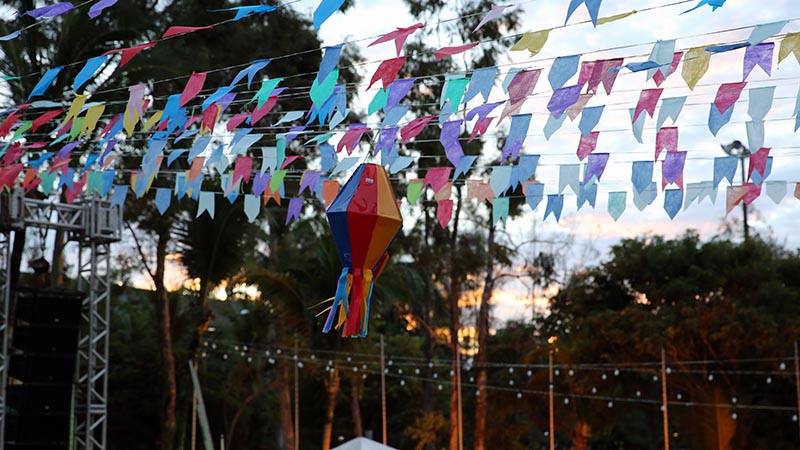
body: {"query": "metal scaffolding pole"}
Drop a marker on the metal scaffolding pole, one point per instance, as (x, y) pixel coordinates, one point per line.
(5, 295)
(94, 224)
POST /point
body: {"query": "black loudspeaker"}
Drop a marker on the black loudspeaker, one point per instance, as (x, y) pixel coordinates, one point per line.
(43, 354)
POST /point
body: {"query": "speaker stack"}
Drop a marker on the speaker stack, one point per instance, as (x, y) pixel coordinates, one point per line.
(43, 354)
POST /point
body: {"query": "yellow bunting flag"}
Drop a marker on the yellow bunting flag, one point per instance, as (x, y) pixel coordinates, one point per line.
(75, 107)
(92, 116)
(616, 17)
(532, 42)
(790, 46)
(695, 65)
(153, 120)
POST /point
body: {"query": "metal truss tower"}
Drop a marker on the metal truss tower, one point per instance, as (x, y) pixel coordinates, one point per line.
(94, 225)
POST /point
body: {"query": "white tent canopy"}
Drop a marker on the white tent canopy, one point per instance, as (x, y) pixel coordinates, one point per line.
(363, 444)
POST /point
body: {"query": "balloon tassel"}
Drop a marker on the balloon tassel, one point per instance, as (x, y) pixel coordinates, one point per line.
(353, 325)
(343, 308)
(368, 284)
(339, 301)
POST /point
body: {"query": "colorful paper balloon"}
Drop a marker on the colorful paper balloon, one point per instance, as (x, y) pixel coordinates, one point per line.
(364, 219)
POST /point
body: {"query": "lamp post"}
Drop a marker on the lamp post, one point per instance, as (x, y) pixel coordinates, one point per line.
(737, 149)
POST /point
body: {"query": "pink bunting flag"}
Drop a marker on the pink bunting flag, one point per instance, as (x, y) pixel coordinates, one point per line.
(387, 71)
(176, 30)
(648, 100)
(236, 120)
(480, 191)
(129, 52)
(727, 95)
(414, 128)
(444, 212)
(259, 113)
(11, 155)
(588, 70)
(522, 85)
(71, 194)
(659, 76)
(444, 52)
(5, 127)
(600, 71)
(193, 87)
(43, 119)
(734, 196)
(437, 178)
(289, 160)
(758, 162)
(351, 138)
(209, 119)
(666, 139)
(753, 192)
(242, 169)
(480, 128)
(494, 13)
(399, 36)
(587, 144)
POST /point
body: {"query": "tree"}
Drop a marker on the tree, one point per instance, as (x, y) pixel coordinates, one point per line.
(426, 102)
(715, 302)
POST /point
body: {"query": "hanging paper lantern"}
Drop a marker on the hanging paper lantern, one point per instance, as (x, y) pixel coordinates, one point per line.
(365, 219)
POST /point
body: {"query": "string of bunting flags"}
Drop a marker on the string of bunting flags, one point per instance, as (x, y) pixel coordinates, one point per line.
(93, 135)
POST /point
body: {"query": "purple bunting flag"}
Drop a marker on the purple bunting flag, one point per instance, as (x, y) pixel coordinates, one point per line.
(759, 55)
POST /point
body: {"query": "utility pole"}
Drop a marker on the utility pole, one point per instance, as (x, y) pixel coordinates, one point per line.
(737, 149)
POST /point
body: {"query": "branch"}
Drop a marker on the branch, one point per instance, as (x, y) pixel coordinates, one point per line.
(141, 252)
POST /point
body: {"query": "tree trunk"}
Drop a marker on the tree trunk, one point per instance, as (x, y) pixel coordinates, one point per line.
(726, 426)
(581, 435)
(483, 334)
(455, 325)
(285, 401)
(358, 428)
(235, 421)
(167, 358)
(57, 273)
(332, 387)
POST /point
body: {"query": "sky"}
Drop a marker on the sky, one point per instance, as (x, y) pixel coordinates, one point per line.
(632, 38)
(591, 231)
